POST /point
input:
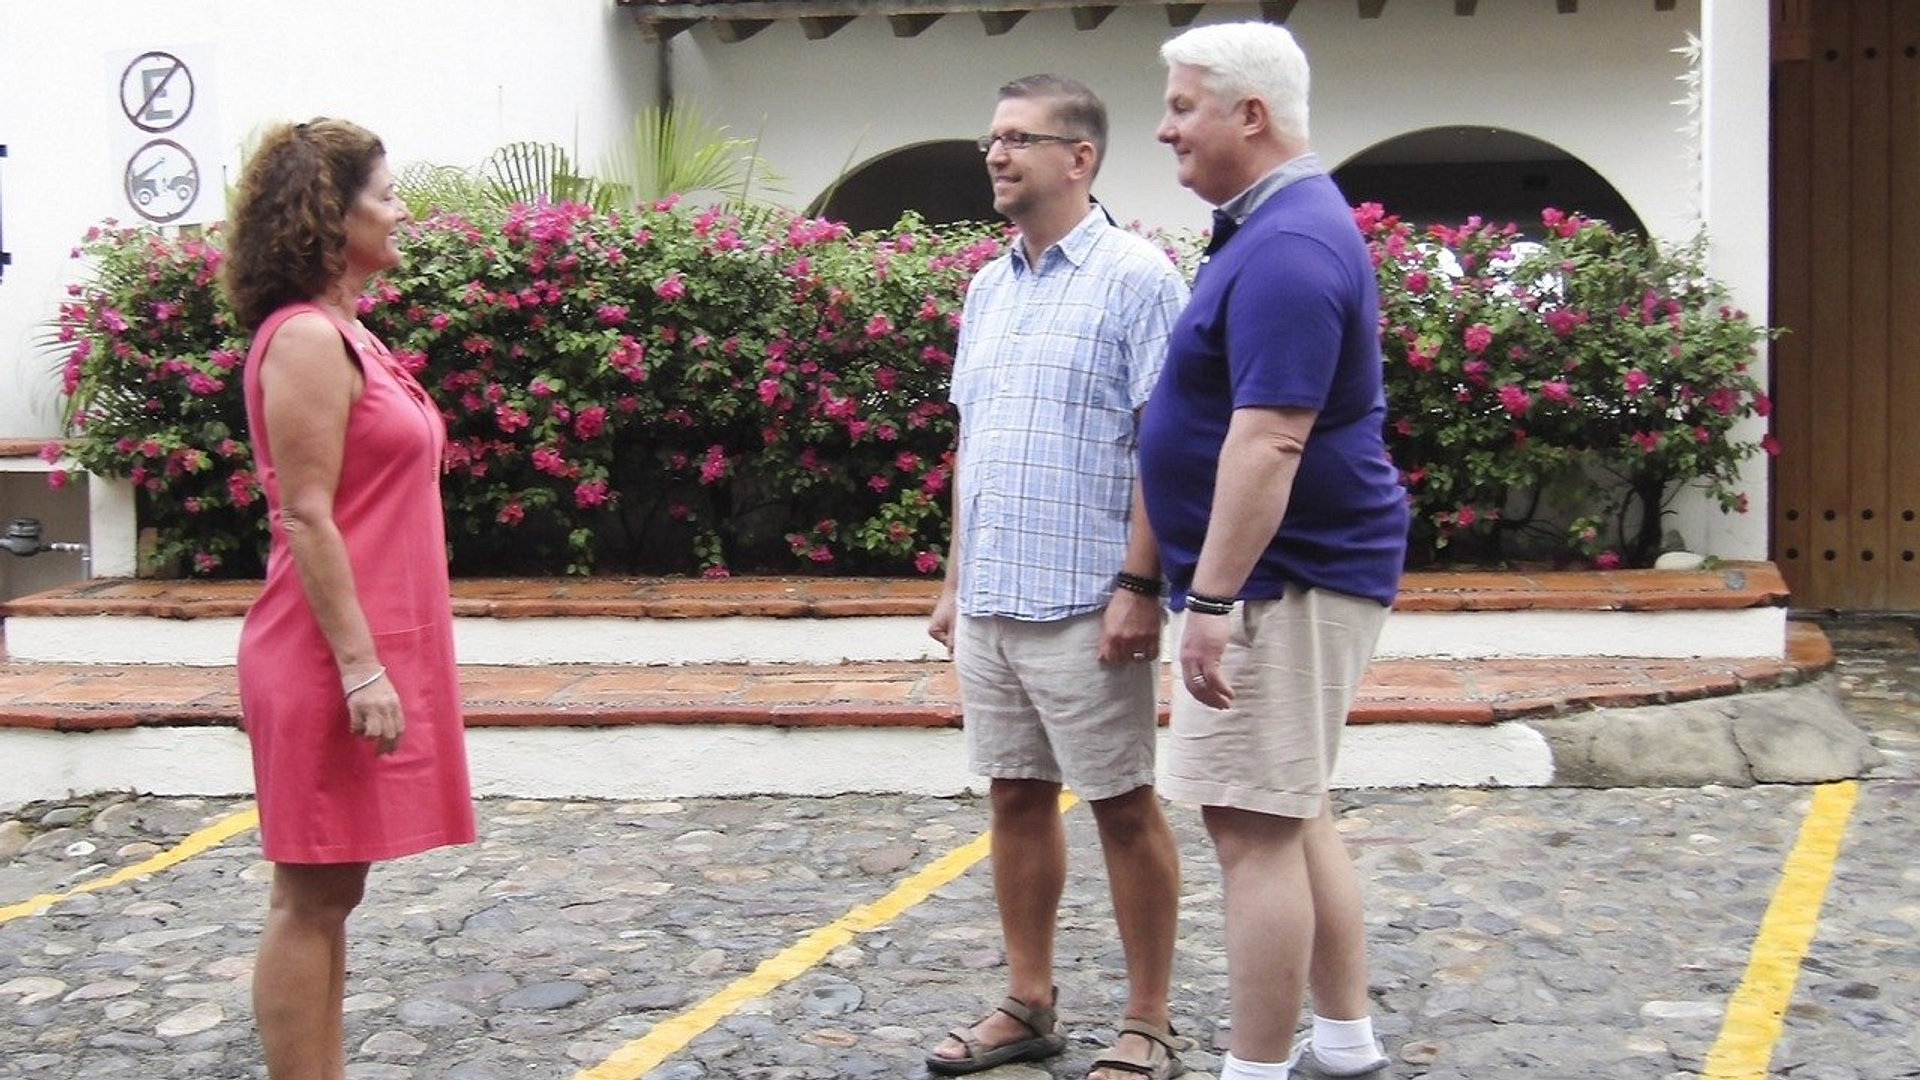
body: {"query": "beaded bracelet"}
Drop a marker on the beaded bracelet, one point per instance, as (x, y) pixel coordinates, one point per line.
(1209, 605)
(1139, 583)
(364, 683)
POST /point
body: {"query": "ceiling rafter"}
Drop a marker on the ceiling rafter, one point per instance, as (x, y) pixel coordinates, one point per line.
(737, 20)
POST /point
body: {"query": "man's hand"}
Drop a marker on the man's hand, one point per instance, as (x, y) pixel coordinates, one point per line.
(1130, 629)
(1203, 638)
(940, 627)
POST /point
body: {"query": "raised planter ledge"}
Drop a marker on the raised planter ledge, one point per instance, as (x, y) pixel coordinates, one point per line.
(1732, 586)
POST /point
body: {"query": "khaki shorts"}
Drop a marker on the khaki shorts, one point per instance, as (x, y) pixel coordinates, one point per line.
(1295, 665)
(1039, 705)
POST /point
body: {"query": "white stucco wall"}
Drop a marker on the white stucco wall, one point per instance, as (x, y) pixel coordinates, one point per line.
(439, 82)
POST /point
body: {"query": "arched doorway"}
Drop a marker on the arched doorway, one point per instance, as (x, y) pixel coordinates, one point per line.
(943, 182)
(1447, 174)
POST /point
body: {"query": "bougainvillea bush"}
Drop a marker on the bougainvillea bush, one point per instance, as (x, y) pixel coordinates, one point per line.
(669, 389)
(691, 390)
(1550, 396)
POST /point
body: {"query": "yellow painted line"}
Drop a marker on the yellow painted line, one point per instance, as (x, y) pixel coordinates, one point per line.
(1758, 1006)
(211, 836)
(667, 1038)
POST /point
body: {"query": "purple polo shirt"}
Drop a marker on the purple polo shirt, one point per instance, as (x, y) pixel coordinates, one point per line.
(1285, 314)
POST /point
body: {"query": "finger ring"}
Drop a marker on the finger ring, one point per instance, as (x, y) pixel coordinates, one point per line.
(1139, 656)
(1202, 677)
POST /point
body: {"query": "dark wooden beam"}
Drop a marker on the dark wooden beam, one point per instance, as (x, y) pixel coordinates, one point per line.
(1090, 16)
(820, 29)
(999, 22)
(734, 31)
(1277, 11)
(1567, 7)
(1182, 14)
(1464, 7)
(1663, 5)
(912, 25)
(658, 30)
(1371, 9)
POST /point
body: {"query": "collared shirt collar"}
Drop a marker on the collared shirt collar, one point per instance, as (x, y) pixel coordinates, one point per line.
(1073, 247)
(1294, 170)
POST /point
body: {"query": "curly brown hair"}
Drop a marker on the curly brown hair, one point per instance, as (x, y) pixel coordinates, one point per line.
(287, 238)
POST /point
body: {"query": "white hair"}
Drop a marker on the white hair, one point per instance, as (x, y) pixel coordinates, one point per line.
(1249, 59)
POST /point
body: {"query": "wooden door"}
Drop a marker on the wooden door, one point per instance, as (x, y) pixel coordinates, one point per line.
(1846, 289)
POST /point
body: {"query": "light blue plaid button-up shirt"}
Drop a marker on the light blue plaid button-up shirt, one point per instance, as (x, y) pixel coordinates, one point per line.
(1053, 361)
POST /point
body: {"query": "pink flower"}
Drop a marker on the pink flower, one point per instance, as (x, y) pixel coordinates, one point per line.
(590, 493)
(510, 419)
(1477, 338)
(611, 314)
(1636, 381)
(1562, 321)
(1647, 441)
(1607, 560)
(769, 390)
(440, 321)
(512, 513)
(714, 466)
(51, 450)
(1770, 444)
(1465, 516)
(1556, 390)
(716, 572)
(879, 326)
(242, 488)
(1417, 281)
(673, 288)
(591, 421)
(926, 562)
(57, 479)
(1513, 399)
(878, 482)
(205, 562)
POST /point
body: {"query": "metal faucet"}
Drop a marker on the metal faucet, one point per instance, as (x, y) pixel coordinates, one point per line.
(23, 539)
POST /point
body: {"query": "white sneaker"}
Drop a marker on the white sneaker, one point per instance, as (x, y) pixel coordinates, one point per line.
(1302, 1065)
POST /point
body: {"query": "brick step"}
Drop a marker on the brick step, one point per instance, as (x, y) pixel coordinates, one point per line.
(1737, 610)
(86, 697)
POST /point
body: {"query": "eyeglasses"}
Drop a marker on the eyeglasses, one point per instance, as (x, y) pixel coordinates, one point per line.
(1019, 140)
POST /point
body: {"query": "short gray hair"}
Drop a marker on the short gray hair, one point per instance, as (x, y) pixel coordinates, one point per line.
(1249, 59)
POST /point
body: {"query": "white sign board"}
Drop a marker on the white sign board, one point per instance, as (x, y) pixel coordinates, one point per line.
(167, 150)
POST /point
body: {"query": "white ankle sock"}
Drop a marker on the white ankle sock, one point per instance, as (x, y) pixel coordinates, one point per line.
(1345, 1045)
(1232, 1068)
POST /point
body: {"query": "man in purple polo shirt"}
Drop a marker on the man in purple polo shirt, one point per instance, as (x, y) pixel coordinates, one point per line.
(1282, 528)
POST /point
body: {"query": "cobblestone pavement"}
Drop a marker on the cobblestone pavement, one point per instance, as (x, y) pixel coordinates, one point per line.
(1552, 933)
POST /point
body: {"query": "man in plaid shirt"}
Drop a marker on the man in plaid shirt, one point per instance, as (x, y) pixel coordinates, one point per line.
(1052, 601)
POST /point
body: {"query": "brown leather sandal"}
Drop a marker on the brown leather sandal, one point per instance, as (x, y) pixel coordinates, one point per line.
(1045, 1042)
(1161, 1064)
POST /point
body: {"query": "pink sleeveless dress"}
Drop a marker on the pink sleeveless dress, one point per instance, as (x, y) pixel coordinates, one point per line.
(324, 795)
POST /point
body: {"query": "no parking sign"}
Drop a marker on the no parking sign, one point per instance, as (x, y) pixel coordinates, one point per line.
(167, 153)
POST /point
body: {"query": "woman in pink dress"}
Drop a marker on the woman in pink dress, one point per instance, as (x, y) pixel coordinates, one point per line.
(347, 681)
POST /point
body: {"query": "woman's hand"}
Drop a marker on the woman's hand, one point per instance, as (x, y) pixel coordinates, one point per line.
(373, 710)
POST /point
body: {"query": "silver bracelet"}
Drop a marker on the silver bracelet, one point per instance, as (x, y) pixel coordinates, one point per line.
(364, 683)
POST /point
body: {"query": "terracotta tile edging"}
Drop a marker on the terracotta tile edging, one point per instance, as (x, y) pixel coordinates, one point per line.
(1731, 586)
